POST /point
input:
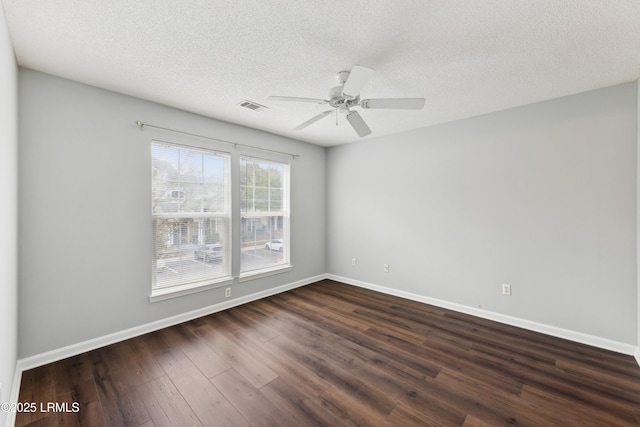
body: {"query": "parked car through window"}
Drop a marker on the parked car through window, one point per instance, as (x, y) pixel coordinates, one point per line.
(209, 253)
(274, 245)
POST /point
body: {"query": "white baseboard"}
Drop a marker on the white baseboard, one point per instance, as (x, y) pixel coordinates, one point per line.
(92, 344)
(580, 337)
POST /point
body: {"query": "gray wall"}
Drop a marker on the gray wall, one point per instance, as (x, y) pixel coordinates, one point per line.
(8, 213)
(542, 197)
(85, 224)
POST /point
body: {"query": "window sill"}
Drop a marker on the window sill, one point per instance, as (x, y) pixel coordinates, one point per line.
(257, 274)
(162, 294)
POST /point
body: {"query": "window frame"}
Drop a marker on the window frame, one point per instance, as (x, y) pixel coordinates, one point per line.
(234, 153)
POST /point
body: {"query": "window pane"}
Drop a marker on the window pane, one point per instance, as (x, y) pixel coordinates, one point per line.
(247, 196)
(179, 257)
(263, 242)
(261, 199)
(185, 180)
(265, 219)
(275, 199)
(191, 216)
(276, 172)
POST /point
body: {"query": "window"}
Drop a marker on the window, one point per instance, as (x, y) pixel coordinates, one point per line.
(191, 219)
(264, 215)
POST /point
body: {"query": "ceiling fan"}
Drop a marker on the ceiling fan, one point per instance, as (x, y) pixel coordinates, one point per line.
(346, 96)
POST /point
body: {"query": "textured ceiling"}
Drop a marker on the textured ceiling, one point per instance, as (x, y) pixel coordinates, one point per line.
(206, 56)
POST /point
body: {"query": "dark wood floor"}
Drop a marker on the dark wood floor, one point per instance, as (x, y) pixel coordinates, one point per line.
(335, 355)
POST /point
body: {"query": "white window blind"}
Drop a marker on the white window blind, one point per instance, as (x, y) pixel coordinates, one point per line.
(264, 207)
(191, 218)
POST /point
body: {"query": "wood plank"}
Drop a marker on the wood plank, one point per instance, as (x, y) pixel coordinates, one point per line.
(331, 373)
(43, 420)
(306, 382)
(261, 329)
(119, 368)
(320, 415)
(211, 407)
(166, 405)
(37, 386)
(90, 414)
(580, 414)
(292, 401)
(249, 401)
(246, 363)
(625, 386)
(492, 402)
(564, 386)
(89, 409)
(384, 352)
(126, 410)
(472, 421)
(352, 410)
(183, 338)
(431, 414)
(71, 372)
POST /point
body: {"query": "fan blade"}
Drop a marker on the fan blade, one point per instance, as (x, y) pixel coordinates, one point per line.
(358, 124)
(313, 119)
(358, 77)
(295, 99)
(394, 103)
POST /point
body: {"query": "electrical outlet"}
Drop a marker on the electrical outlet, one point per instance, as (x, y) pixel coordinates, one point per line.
(353, 261)
(506, 290)
(386, 268)
(227, 292)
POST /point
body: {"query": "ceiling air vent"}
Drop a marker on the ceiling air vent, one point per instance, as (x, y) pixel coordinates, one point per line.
(252, 105)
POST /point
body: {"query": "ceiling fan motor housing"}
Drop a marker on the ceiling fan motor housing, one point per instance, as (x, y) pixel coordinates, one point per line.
(339, 101)
(335, 93)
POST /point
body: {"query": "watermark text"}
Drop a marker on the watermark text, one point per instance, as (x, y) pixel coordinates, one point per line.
(40, 407)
